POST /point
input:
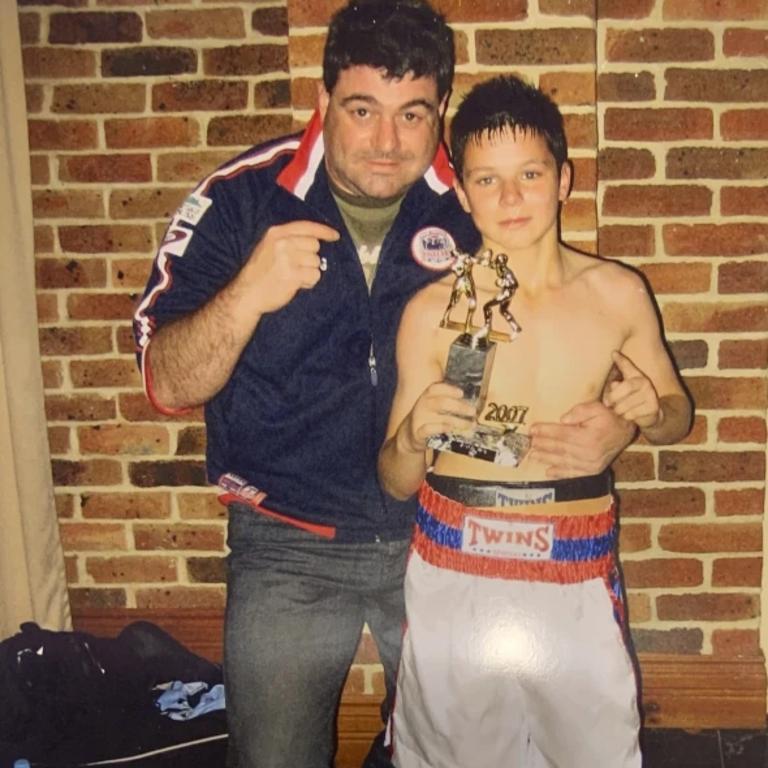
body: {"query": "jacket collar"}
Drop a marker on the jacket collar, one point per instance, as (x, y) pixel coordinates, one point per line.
(300, 173)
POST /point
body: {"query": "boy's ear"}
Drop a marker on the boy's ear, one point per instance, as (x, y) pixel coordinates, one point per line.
(566, 181)
(461, 194)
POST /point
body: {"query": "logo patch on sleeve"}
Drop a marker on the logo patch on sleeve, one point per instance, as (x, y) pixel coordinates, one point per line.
(193, 209)
(432, 248)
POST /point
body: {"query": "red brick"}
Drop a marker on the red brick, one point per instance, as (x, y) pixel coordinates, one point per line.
(33, 95)
(698, 434)
(306, 51)
(180, 597)
(535, 47)
(715, 239)
(123, 439)
(92, 536)
(662, 502)
(272, 94)
(720, 163)
(707, 607)
(70, 273)
(151, 132)
(221, 23)
(191, 441)
(131, 568)
(711, 466)
(626, 86)
(149, 474)
(584, 174)
(747, 353)
(207, 570)
(736, 642)
(126, 344)
(130, 273)
(622, 241)
(126, 506)
(70, 570)
(154, 203)
(92, 27)
(195, 537)
(272, 22)
(44, 240)
(99, 98)
(61, 204)
(633, 466)
(65, 507)
(201, 505)
(638, 607)
(744, 201)
(189, 166)
(86, 472)
(617, 164)
(634, 538)
(671, 641)
(728, 392)
(145, 61)
(581, 131)
(136, 407)
(245, 60)
(62, 134)
(98, 169)
(654, 200)
(662, 572)
(713, 85)
(737, 572)
(568, 8)
(29, 28)
(621, 9)
(689, 354)
(576, 88)
(104, 373)
(742, 429)
(711, 537)
(79, 408)
(106, 238)
(744, 124)
(82, 599)
(75, 341)
(745, 42)
(716, 316)
(47, 308)
(715, 10)
(204, 95)
(39, 170)
(671, 44)
(578, 214)
(58, 63)
(624, 124)
(691, 277)
(58, 440)
(245, 130)
(746, 501)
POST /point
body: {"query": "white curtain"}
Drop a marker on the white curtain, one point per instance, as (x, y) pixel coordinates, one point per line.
(32, 580)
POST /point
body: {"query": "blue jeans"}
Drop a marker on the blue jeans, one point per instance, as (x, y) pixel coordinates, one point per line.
(296, 605)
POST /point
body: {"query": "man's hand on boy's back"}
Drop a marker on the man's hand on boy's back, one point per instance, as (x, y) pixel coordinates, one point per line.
(585, 441)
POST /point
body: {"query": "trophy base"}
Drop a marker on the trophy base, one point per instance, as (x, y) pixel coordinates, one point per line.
(491, 336)
(502, 447)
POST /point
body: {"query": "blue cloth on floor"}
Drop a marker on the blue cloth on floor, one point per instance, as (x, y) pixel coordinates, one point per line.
(184, 701)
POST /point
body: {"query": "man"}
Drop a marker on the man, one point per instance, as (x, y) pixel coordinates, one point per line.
(274, 300)
(515, 650)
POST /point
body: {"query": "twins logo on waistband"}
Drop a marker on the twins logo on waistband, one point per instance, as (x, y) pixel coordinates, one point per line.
(517, 497)
(433, 248)
(513, 539)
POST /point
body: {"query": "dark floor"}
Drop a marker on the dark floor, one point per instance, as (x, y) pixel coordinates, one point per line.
(665, 748)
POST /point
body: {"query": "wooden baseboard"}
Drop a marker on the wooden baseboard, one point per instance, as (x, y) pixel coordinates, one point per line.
(693, 692)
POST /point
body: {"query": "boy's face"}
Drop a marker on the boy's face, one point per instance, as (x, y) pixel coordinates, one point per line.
(512, 188)
(380, 134)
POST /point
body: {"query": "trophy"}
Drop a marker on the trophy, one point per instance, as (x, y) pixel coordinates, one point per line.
(470, 360)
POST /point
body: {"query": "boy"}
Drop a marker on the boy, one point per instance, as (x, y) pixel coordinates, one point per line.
(515, 651)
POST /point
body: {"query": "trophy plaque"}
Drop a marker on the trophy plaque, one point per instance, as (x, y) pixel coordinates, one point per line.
(470, 360)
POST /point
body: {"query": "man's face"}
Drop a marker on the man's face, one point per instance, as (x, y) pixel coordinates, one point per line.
(380, 134)
(512, 188)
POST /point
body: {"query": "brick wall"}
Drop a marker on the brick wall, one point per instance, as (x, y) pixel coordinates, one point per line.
(130, 103)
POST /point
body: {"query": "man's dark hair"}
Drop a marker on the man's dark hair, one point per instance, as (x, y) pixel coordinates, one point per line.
(506, 103)
(398, 36)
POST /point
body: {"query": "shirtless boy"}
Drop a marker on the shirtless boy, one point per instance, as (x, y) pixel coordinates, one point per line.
(515, 653)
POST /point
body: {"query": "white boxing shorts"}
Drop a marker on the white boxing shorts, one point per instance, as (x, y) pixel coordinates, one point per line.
(515, 653)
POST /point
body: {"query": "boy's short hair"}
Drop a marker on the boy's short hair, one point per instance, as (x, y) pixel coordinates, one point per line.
(506, 103)
(398, 36)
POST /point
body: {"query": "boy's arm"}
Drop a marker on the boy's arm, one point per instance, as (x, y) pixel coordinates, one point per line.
(650, 392)
(423, 404)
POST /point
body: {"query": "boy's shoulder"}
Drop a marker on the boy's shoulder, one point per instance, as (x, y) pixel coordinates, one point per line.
(605, 276)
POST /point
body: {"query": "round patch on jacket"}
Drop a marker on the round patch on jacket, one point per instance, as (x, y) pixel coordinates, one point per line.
(433, 248)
